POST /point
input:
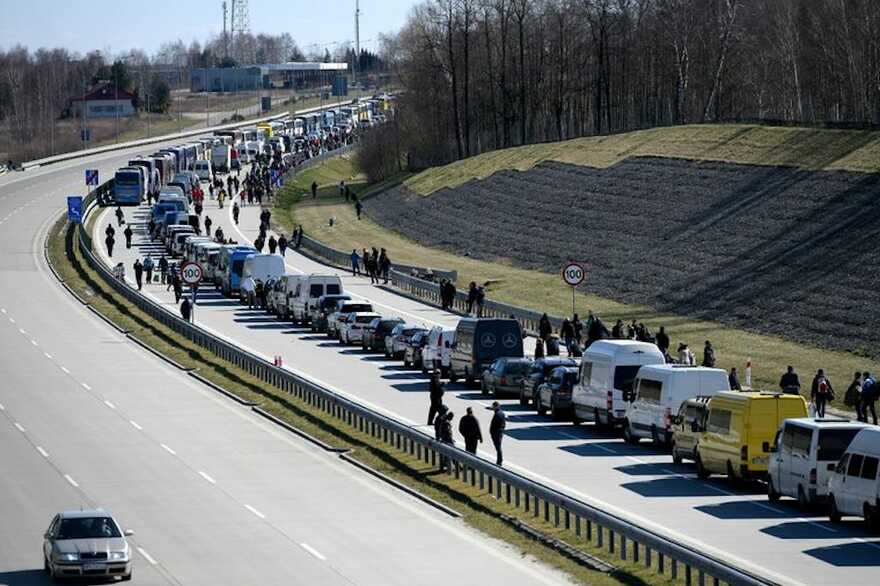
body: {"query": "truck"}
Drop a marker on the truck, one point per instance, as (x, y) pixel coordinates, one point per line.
(129, 186)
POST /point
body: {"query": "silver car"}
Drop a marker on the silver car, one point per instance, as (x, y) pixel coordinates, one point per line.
(86, 543)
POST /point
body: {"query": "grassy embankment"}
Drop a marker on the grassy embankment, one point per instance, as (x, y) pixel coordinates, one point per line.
(747, 144)
(479, 509)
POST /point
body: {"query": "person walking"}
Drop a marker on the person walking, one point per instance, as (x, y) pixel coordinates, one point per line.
(435, 391)
(496, 431)
(358, 209)
(177, 283)
(471, 297)
(733, 380)
(853, 396)
(789, 383)
(259, 243)
(821, 392)
(577, 327)
(567, 334)
(282, 244)
(148, 268)
(708, 355)
(544, 328)
(384, 266)
(120, 217)
(481, 298)
(128, 233)
(273, 244)
(445, 359)
(163, 269)
(208, 224)
(314, 189)
(235, 212)
(685, 356)
(446, 437)
(109, 241)
(138, 273)
(870, 392)
(469, 428)
(355, 263)
(342, 188)
(662, 341)
(185, 309)
(221, 196)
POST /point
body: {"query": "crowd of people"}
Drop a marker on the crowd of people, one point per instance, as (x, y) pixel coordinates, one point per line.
(375, 262)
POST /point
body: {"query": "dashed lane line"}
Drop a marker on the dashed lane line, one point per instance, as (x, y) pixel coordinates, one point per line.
(19, 426)
(255, 511)
(313, 551)
(135, 425)
(43, 452)
(71, 481)
(169, 450)
(206, 477)
(147, 556)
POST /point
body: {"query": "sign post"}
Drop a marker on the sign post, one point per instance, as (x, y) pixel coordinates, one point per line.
(74, 209)
(191, 274)
(573, 274)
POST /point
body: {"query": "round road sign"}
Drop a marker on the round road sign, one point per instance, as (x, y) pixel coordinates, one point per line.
(191, 273)
(574, 274)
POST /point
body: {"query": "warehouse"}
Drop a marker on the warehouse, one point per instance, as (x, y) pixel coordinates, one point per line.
(294, 75)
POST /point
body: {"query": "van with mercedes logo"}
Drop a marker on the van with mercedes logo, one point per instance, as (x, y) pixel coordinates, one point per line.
(479, 342)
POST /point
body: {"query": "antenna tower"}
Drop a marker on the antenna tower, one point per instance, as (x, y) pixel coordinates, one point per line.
(240, 23)
(357, 37)
(225, 37)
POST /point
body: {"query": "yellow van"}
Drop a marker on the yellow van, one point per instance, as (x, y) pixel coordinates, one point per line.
(267, 128)
(738, 432)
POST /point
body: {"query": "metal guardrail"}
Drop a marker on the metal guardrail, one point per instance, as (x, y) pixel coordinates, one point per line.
(619, 536)
(166, 137)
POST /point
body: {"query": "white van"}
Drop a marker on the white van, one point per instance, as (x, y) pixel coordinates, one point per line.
(658, 392)
(308, 290)
(854, 488)
(605, 379)
(221, 157)
(282, 292)
(202, 168)
(262, 267)
(436, 338)
(805, 453)
(254, 149)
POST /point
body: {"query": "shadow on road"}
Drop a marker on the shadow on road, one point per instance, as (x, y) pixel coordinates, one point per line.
(749, 510)
(861, 554)
(817, 530)
(24, 578)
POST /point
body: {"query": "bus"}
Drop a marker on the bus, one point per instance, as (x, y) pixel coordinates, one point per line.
(267, 129)
(128, 186)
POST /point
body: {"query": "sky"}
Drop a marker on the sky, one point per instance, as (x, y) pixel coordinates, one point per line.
(115, 26)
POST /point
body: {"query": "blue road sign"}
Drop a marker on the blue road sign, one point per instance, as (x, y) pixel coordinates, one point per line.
(74, 209)
(92, 177)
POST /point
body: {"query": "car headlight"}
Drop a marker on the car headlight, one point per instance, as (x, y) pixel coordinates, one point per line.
(117, 555)
(66, 557)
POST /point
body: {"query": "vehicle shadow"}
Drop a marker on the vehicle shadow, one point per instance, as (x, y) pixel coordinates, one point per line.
(818, 529)
(419, 387)
(673, 486)
(24, 578)
(613, 448)
(653, 469)
(749, 510)
(312, 337)
(355, 351)
(860, 554)
(405, 376)
(217, 303)
(258, 320)
(535, 432)
(374, 358)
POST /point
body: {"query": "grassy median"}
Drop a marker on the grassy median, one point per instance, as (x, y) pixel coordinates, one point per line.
(479, 509)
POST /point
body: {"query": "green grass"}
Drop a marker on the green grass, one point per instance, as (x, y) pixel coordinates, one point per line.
(808, 148)
(479, 509)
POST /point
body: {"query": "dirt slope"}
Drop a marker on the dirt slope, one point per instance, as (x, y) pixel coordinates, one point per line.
(771, 249)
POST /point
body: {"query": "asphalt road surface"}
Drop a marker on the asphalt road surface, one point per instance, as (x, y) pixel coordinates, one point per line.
(637, 482)
(214, 494)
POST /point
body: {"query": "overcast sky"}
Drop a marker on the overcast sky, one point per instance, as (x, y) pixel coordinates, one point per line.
(119, 25)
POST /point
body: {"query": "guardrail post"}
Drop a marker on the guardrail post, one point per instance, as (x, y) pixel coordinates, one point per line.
(516, 497)
(546, 511)
(507, 492)
(661, 562)
(536, 512)
(611, 541)
(623, 547)
(556, 515)
(482, 480)
(599, 536)
(567, 520)
(673, 568)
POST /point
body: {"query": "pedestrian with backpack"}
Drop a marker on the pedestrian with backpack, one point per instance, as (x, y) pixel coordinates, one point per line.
(870, 393)
(821, 393)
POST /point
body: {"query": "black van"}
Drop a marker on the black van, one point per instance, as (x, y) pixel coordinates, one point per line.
(479, 341)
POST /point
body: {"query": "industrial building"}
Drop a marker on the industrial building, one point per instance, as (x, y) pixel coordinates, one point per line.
(294, 75)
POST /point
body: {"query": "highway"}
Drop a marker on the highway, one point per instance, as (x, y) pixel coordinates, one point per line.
(215, 494)
(637, 482)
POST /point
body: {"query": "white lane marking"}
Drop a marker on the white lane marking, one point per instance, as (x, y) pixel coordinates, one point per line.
(206, 477)
(19, 426)
(312, 551)
(255, 511)
(147, 556)
(2, 408)
(3, 310)
(34, 343)
(109, 404)
(12, 321)
(64, 368)
(169, 450)
(49, 356)
(22, 332)
(71, 481)
(135, 425)
(86, 387)
(43, 452)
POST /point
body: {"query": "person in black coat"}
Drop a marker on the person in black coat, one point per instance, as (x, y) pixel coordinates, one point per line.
(544, 328)
(435, 390)
(663, 341)
(733, 379)
(469, 428)
(185, 309)
(789, 383)
(496, 430)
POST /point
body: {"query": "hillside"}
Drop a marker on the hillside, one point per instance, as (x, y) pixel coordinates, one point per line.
(804, 148)
(777, 250)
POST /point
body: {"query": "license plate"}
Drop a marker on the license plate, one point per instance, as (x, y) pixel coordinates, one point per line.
(88, 567)
(761, 461)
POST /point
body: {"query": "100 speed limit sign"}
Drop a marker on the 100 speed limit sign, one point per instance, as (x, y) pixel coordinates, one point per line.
(191, 273)
(573, 274)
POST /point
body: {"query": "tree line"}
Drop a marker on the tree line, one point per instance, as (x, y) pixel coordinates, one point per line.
(487, 74)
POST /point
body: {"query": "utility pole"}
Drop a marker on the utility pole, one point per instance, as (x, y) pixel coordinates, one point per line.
(357, 39)
(225, 38)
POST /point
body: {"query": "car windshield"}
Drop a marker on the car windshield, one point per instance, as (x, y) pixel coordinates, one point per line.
(87, 528)
(833, 443)
(517, 367)
(354, 307)
(130, 178)
(364, 319)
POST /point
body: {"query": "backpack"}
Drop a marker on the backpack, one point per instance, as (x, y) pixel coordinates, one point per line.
(870, 390)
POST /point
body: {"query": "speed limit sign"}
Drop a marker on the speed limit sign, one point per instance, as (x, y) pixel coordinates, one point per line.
(191, 273)
(573, 274)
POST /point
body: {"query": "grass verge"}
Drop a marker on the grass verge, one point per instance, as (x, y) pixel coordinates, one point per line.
(749, 144)
(479, 509)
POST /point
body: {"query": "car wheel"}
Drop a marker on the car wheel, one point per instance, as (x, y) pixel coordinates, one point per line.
(406, 363)
(554, 412)
(731, 475)
(702, 473)
(676, 457)
(127, 577)
(655, 437)
(803, 501)
(387, 353)
(540, 406)
(833, 512)
(772, 495)
(628, 435)
(468, 379)
(872, 518)
(483, 390)
(522, 398)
